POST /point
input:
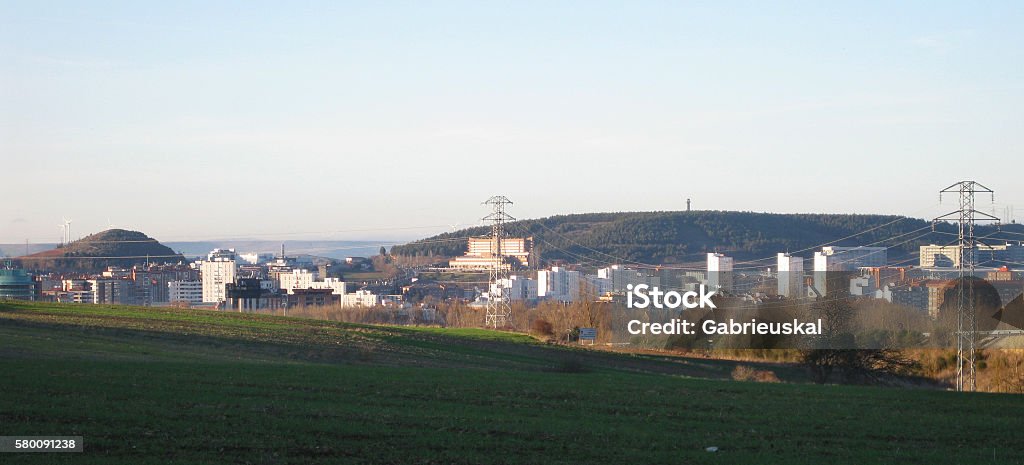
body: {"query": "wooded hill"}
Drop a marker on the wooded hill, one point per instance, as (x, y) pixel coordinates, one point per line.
(681, 237)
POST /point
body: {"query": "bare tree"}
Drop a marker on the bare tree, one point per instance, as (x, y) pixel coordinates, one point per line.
(836, 350)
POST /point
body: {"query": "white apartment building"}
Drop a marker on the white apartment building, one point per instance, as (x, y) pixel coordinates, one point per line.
(360, 298)
(305, 279)
(948, 256)
(558, 284)
(516, 288)
(720, 272)
(185, 291)
(216, 274)
(791, 276)
(296, 279)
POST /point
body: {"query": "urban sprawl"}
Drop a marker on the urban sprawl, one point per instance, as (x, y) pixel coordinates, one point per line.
(228, 280)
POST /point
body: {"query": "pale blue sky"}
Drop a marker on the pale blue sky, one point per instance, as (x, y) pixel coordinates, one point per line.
(189, 120)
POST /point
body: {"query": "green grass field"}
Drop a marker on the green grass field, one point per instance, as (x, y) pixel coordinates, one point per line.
(187, 386)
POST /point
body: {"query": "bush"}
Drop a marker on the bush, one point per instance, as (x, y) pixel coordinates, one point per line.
(745, 373)
(866, 366)
(542, 327)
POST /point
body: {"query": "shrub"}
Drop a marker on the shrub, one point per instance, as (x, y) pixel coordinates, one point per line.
(542, 327)
(745, 373)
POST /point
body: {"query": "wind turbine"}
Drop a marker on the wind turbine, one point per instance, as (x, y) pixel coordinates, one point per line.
(63, 234)
(67, 230)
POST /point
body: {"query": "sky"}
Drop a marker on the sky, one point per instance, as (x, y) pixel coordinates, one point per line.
(387, 120)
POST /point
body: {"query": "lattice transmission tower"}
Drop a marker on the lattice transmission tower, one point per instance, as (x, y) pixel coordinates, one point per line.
(499, 310)
(966, 317)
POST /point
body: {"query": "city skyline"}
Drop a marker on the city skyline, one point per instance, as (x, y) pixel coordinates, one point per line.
(529, 232)
(356, 121)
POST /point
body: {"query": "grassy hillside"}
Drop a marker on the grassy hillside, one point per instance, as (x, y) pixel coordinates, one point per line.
(164, 386)
(673, 237)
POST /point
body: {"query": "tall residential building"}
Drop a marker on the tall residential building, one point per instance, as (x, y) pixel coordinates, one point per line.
(936, 295)
(558, 284)
(112, 291)
(217, 272)
(152, 283)
(791, 276)
(720, 272)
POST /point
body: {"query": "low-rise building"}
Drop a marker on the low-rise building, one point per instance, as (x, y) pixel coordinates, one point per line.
(618, 278)
(948, 256)
(516, 288)
(312, 298)
(305, 279)
(913, 295)
(16, 284)
(248, 294)
(185, 291)
(482, 253)
(360, 298)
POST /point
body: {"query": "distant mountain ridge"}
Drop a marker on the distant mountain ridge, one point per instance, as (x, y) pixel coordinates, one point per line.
(335, 249)
(657, 238)
(113, 247)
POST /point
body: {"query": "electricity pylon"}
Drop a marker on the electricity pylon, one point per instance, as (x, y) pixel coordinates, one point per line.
(499, 311)
(966, 318)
